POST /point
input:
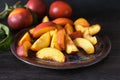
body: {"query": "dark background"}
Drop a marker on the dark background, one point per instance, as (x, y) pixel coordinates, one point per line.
(104, 12)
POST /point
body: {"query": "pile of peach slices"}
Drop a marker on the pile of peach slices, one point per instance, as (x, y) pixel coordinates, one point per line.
(51, 40)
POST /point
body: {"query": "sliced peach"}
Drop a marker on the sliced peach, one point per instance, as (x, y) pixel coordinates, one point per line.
(45, 19)
(94, 29)
(70, 46)
(76, 34)
(89, 37)
(54, 41)
(63, 21)
(69, 29)
(85, 45)
(52, 32)
(51, 54)
(22, 50)
(31, 30)
(59, 26)
(42, 28)
(25, 37)
(61, 38)
(42, 42)
(80, 28)
(82, 22)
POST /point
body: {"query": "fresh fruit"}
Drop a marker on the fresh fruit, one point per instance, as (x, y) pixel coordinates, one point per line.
(25, 37)
(82, 22)
(69, 29)
(51, 54)
(85, 45)
(60, 9)
(54, 41)
(42, 28)
(82, 25)
(63, 21)
(20, 18)
(59, 26)
(89, 37)
(70, 46)
(94, 29)
(61, 38)
(41, 42)
(76, 34)
(22, 50)
(52, 32)
(31, 30)
(80, 28)
(51, 38)
(45, 19)
(37, 6)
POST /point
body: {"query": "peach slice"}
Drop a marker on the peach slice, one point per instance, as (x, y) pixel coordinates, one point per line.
(76, 34)
(42, 28)
(85, 45)
(80, 28)
(54, 41)
(31, 30)
(59, 26)
(70, 46)
(61, 38)
(41, 42)
(52, 32)
(89, 37)
(22, 50)
(94, 29)
(63, 21)
(51, 54)
(25, 37)
(82, 22)
(69, 29)
(45, 19)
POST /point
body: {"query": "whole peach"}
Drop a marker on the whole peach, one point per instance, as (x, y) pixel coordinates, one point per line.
(20, 18)
(37, 6)
(59, 9)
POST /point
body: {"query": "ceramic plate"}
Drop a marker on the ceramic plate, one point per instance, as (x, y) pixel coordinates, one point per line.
(77, 60)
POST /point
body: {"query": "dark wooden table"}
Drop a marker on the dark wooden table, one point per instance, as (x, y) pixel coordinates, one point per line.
(106, 13)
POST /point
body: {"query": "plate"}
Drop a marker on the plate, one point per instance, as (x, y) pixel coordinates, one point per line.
(77, 60)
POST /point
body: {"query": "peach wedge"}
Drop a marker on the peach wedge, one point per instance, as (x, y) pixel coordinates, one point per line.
(45, 19)
(51, 54)
(89, 37)
(76, 34)
(41, 42)
(85, 45)
(22, 50)
(61, 38)
(80, 28)
(25, 37)
(70, 46)
(69, 29)
(54, 41)
(82, 22)
(94, 29)
(42, 28)
(63, 21)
